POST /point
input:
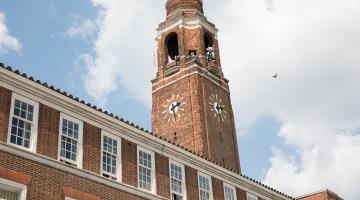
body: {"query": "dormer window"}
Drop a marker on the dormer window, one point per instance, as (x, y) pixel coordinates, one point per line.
(172, 45)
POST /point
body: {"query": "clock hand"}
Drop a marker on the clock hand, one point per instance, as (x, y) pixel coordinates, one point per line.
(173, 107)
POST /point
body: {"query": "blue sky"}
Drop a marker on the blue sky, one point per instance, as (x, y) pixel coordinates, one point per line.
(50, 55)
(103, 52)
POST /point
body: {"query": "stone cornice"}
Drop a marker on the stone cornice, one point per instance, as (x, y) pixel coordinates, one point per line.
(197, 21)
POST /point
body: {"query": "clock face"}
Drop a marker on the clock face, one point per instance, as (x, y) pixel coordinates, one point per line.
(217, 107)
(173, 108)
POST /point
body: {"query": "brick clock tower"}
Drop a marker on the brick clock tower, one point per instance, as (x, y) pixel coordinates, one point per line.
(191, 97)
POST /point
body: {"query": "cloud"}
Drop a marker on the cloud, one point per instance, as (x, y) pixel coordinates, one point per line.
(7, 42)
(83, 29)
(314, 47)
(123, 51)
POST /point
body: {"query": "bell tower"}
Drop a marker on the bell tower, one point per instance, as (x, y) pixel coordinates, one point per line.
(191, 97)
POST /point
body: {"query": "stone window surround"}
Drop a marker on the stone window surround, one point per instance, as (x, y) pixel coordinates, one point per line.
(34, 127)
(152, 173)
(22, 189)
(226, 185)
(118, 175)
(183, 177)
(211, 197)
(79, 156)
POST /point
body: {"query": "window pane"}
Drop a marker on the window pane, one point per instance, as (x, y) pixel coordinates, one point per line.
(109, 155)
(68, 148)
(20, 132)
(145, 171)
(176, 178)
(8, 195)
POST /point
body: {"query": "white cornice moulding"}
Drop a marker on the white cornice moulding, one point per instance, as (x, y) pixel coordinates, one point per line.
(187, 23)
(73, 108)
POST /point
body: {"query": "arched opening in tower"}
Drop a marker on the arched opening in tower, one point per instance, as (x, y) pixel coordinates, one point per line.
(172, 48)
(209, 47)
(208, 41)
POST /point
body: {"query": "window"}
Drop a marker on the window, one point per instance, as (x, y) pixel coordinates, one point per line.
(229, 192)
(146, 170)
(70, 140)
(110, 156)
(10, 190)
(251, 197)
(23, 122)
(177, 181)
(205, 187)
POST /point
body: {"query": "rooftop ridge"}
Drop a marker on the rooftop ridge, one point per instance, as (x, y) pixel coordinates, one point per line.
(51, 87)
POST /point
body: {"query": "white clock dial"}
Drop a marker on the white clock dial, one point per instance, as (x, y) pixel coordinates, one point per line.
(217, 107)
(173, 108)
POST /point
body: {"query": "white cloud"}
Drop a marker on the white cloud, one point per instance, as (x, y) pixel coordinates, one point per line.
(313, 45)
(7, 42)
(81, 29)
(123, 50)
(315, 48)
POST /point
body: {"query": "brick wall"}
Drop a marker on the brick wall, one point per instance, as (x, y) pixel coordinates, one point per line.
(5, 103)
(162, 175)
(48, 183)
(197, 128)
(240, 194)
(218, 190)
(129, 162)
(320, 196)
(91, 148)
(48, 131)
(191, 183)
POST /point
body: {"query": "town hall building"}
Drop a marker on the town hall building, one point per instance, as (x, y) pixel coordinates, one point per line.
(55, 146)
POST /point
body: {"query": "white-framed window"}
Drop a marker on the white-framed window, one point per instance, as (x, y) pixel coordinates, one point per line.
(177, 181)
(146, 169)
(205, 187)
(229, 192)
(23, 122)
(250, 196)
(10, 190)
(70, 140)
(110, 156)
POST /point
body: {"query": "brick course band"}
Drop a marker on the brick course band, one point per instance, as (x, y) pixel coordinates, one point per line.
(76, 194)
(14, 176)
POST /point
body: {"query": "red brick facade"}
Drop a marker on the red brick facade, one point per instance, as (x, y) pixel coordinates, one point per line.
(48, 183)
(324, 195)
(162, 175)
(218, 189)
(241, 194)
(129, 162)
(191, 183)
(92, 148)
(5, 102)
(48, 131)
(198, 129)
(197, 82)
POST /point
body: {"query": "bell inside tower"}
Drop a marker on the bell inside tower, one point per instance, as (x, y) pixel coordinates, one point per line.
(209, 47)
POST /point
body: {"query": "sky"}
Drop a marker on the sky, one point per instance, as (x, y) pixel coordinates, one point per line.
(298, 133)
